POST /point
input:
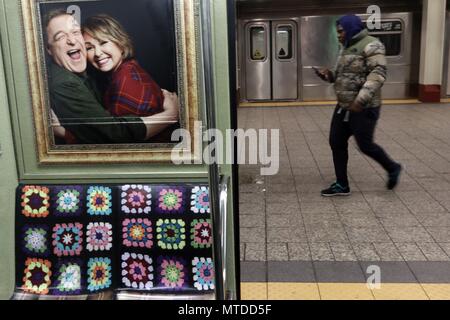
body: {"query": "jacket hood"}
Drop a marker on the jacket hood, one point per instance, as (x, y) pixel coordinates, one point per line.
(352, 25)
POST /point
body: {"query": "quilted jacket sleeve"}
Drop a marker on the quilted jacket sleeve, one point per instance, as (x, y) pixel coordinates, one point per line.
(377, 72)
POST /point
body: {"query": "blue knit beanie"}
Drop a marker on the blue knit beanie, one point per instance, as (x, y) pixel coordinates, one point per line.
(352, 25)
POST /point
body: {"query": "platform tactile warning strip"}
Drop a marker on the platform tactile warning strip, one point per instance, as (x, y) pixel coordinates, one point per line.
(343, 291)
(292, 291)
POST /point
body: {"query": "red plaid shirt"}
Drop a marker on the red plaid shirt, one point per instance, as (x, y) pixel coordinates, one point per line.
(132, 91)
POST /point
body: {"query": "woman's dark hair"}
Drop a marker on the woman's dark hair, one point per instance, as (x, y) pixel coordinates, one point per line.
(104, 27)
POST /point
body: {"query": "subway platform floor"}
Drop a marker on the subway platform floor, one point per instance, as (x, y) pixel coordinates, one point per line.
(296, 244)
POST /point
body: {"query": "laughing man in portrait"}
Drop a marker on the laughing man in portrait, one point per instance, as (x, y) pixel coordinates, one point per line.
(76, 101)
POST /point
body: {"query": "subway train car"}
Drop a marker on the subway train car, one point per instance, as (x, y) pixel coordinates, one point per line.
(109, 215)
(279, 44)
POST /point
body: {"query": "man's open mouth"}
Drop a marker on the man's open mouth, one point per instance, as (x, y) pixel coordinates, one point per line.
(74, 54)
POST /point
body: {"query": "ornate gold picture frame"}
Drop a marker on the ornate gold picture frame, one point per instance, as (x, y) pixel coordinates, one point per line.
(166, 37)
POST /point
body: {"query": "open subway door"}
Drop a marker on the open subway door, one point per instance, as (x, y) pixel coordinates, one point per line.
(115, 218)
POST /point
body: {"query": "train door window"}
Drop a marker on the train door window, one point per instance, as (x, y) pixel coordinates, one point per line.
(390, 34)
(258, 43)
(284, 42)
(392, 43)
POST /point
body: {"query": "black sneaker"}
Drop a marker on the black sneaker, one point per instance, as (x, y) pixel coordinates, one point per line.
(393, 177)
(335, 190)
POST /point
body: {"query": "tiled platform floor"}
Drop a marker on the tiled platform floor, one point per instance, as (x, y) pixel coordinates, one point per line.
(289, 233)
(284, 218)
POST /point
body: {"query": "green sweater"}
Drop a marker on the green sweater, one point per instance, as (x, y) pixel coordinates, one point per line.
(76, 102)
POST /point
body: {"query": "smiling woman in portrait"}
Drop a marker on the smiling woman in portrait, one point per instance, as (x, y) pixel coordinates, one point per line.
(130, 90)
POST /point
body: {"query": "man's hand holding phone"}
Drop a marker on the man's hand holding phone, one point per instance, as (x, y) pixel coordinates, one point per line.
(323, 73)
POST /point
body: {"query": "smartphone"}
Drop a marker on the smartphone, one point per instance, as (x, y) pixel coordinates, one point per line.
(316, 70)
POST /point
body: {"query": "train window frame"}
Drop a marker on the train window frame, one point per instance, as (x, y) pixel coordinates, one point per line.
(249, 28)
(292, 36)
(401, 33)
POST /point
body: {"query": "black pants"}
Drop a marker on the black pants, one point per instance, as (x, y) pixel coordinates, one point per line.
(362, 126)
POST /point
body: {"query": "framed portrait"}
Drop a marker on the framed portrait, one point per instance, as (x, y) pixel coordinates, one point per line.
(111, 80)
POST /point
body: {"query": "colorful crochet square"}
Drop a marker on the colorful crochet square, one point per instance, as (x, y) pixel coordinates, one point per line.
(99, 236)
(37, 276)
(35, 201)
(99, 274)
(99, 201)
(200, 200)
(67, 239)
(172, 273)
(137, 233)
(171, 234)
(68, 278)
(201, 233)
(66, 201)
(203, 271)
(170, 200)
(137, 271)
(136, 199)
(35, 240)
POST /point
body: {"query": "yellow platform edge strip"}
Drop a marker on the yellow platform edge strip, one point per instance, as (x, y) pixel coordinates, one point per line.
(343, 291)
(321, 103)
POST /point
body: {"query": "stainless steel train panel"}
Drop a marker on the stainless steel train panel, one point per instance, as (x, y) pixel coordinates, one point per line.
(402, 68)
(284, 60)
(396, 91)
(318, 92)
(398, 73)
(257, 61)
(405, 57)
(319, 48)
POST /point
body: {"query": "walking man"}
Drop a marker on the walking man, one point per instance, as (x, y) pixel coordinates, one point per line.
(358, 77)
